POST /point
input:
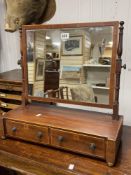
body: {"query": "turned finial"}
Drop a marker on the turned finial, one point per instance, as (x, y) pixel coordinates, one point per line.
(121, 23)
(120, 45)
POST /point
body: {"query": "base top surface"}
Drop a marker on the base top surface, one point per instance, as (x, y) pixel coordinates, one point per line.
(92, 123)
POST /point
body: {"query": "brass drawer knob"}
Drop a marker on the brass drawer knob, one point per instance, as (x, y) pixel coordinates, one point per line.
(4, 104)
(92, 146)
(14, 129)
(2, 95)
(39, 135)
(60, 138)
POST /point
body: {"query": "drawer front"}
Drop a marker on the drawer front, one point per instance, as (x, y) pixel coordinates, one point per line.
(27, 132)
(8, 105)
(10, 96)
(10, 87)
(88, 145)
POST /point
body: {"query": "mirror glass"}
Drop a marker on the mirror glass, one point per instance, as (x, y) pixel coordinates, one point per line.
(70, 64)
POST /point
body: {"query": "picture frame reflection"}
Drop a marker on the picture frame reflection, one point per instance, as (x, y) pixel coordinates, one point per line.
(72, 46)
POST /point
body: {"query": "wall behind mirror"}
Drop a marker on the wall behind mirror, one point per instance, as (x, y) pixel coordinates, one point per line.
(70, 64)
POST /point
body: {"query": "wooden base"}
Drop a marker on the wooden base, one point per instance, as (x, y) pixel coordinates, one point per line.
(38, 160)
(88, 133)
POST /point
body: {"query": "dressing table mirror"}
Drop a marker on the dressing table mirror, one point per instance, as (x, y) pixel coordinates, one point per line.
(75, 64)
(72, 64)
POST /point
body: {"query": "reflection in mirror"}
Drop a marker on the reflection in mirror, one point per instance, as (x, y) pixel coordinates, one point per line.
(70, 64)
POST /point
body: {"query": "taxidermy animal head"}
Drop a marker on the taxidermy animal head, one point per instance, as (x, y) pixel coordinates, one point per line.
(20, 12)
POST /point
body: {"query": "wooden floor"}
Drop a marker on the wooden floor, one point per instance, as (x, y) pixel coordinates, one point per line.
(47, 161)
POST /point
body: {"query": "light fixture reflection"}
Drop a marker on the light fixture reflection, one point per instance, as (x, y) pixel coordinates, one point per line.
(47, 37)
(56, 43)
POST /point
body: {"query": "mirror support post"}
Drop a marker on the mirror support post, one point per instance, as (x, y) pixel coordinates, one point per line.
(20, 62)
(118, 72)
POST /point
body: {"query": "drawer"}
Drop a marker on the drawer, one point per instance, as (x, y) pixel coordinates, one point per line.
(10, 87)
(8, 105)
(27, 132)
(10, 96)
(84, 144)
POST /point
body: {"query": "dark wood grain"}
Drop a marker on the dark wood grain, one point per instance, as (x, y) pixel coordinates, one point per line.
(27, 132)
(51, 81)
(118, 72)
(81, 129)
(80, 121)
(78, 142)
(42, 160)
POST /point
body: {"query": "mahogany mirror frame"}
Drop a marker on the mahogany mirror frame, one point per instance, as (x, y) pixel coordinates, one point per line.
(112, 91)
